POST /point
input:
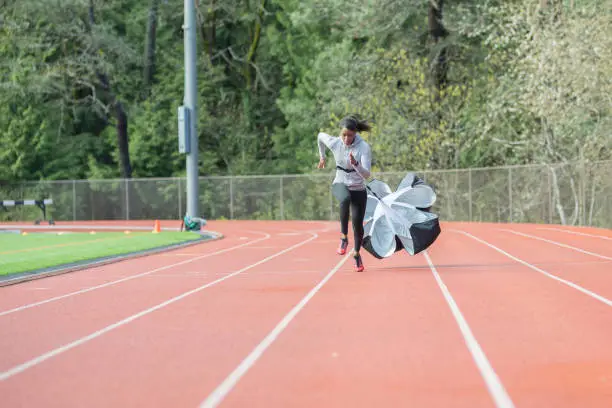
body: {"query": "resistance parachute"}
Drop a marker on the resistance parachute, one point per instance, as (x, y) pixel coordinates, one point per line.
(401, 219)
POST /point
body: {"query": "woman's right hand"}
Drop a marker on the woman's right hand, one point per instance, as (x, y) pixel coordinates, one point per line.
(321, 164)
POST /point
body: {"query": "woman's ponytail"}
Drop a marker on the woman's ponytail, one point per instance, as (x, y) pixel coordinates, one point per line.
(353, 123)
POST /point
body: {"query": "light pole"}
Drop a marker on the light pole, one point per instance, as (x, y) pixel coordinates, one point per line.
(188, 114)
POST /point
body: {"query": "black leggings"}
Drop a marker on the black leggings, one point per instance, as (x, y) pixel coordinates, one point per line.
(356, 202)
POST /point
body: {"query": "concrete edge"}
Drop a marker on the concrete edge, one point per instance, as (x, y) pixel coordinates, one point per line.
(92, 263)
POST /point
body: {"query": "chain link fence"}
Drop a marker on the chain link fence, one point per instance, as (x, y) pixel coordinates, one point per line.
(569, 194)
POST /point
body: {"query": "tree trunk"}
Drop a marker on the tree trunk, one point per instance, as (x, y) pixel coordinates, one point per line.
(250, 58)
(557, 195)
(437, 32)
(250, 61)
(208, 27)
(553, 8)
(212, 30)
(149, 69)
(122, 141)
(439, 69)
(92, 16)
(122, 120)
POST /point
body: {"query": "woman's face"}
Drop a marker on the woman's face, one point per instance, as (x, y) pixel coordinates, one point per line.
(348, 136)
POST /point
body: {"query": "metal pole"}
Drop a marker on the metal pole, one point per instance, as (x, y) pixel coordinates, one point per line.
(73, 200)
(470, 191)
(282, 208)
(510, 190)
(92, 202)
(583, 190)
(180, 199)
(232, 198)
(191, 98)
(127, 200)
(550, 196)
(22, 209)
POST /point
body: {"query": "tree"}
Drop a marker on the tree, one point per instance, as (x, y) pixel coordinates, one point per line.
(151, 38)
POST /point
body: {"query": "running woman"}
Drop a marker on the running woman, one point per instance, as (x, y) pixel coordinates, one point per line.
(353, 160)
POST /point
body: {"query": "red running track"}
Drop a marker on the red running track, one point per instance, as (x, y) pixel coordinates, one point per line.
(492, 315)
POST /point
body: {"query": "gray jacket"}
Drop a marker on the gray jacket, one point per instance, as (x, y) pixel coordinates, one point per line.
(353, 177)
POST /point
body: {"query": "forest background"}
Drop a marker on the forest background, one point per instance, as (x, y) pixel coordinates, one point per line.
(90, 88)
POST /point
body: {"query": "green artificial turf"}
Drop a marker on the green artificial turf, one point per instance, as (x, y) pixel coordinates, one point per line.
(23, 253)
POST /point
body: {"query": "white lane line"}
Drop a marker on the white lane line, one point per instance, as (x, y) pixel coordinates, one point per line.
(494, 385)
(55, 228)
(43, 357)
(231, 380)
(104, 285)
(559, 244)
(535, 268)
(576, 233)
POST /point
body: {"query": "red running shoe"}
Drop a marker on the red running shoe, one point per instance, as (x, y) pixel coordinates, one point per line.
(358, 263)
(342, 248)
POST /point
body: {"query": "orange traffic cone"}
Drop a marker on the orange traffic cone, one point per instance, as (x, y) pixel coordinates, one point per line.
(157, 228)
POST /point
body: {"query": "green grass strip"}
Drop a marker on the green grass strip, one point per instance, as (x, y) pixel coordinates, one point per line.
(24, 253)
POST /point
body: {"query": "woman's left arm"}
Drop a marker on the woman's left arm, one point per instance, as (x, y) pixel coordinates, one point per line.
(365, 162)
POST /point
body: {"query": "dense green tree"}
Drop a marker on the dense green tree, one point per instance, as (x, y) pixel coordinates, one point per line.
(90, 88)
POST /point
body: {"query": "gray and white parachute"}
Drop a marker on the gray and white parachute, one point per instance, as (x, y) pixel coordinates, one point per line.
(401, 219)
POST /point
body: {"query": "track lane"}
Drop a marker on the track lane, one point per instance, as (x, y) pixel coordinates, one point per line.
(591, 232)
(196, 340)
(236, 233)
(180, 353)
(548, 342)
(42, 291)
(385, 337)
(35, 331)
(580, 243)
(587, 270)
